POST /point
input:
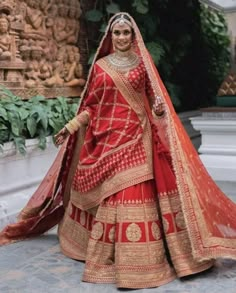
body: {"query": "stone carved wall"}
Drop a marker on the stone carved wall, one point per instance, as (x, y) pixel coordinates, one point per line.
(38, 47)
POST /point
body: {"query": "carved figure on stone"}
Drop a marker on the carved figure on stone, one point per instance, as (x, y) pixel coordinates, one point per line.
(16, 18)
(49, 23)
(58, 71)
(38, 52)
(34, 16)
(5, 39)
(53, 10)
(33, 69)
(45, 67)
(25, 51)
(45, 5)
(73, 69)
(72, 30)
(75, 9)
(59, 28)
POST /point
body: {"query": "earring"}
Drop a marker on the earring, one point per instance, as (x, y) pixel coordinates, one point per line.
(113, 47)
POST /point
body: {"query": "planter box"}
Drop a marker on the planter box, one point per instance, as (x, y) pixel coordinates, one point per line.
(20, 175)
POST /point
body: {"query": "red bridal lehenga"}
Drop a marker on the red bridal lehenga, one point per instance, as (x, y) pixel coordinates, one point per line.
(128, 190)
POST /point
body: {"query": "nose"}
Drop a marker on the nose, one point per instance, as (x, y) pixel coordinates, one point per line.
(121, 36)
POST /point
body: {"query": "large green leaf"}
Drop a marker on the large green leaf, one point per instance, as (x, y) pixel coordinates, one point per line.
(4, 92)
(58, 108)
(11, 107)
(3, 113)
(20, 144)
(14, 120)
(57, 124)
(141, 6)
(41, 115)
(23, 113)
(42, 139)
(102, 30)
(91, 57)
(156, 51)
(37, 99)
(2, 126)
(4, 135)
(112, 8)
(74, 108)
(94, 15)
(31, 125)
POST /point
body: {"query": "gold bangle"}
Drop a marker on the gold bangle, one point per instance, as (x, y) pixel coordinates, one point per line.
(158, 116)
(73, 125)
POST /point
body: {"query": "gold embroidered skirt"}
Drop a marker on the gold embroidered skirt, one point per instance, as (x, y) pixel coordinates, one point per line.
(133, 239)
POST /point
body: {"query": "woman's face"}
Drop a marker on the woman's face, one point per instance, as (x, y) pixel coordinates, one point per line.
(122, 37)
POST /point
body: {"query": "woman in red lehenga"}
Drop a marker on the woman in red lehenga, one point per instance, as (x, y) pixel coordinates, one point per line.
(127, 188)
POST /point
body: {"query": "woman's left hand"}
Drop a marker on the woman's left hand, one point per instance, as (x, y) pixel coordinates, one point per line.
(158, 107)
(61, 136)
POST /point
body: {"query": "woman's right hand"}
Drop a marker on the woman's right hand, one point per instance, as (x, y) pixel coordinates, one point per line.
(61, 136)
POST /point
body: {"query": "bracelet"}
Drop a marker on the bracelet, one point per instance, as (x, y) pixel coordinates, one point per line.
(73, 125)
(159, 115)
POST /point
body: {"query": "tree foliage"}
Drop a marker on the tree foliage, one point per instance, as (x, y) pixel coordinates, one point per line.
(188, 42)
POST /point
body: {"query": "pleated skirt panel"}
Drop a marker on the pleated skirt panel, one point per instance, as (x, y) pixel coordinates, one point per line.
(134, 239)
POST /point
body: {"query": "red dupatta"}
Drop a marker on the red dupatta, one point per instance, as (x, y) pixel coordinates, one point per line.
(209, 215)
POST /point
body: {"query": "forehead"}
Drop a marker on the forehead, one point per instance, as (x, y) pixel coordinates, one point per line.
(121, 27)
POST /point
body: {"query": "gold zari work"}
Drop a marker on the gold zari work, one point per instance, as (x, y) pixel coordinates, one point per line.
(123, 63)
(138, 247)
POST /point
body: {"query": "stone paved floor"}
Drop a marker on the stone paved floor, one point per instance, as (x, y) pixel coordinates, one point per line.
(37, 266)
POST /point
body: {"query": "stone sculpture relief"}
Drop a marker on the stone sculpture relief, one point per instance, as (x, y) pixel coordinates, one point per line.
(38, 47)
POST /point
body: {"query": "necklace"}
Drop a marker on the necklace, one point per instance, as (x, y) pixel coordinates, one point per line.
(123, 61)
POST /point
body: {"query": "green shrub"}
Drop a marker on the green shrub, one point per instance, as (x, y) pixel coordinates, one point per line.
(35, 118)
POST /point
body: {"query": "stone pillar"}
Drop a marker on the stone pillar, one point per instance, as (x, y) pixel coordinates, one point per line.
(231, 21)
(218, 146)
(194, 135)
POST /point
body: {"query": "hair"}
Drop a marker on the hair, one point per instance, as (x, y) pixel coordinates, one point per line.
(119, 16)
(125, 17)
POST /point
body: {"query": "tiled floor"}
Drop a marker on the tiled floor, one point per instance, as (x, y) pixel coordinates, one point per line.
(37, 266)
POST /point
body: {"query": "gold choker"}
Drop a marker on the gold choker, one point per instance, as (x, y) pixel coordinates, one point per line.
(123, 61)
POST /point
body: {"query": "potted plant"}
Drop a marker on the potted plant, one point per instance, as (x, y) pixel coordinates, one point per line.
(26, 145)
(37, 118)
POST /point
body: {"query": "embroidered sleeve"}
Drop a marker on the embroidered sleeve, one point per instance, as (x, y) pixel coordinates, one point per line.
(154, 101)
(94, 92)
(148, 89)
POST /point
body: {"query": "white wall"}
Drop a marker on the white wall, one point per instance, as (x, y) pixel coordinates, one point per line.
(21, 175)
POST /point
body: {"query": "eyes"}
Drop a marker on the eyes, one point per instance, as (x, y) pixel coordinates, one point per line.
(126, 33)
